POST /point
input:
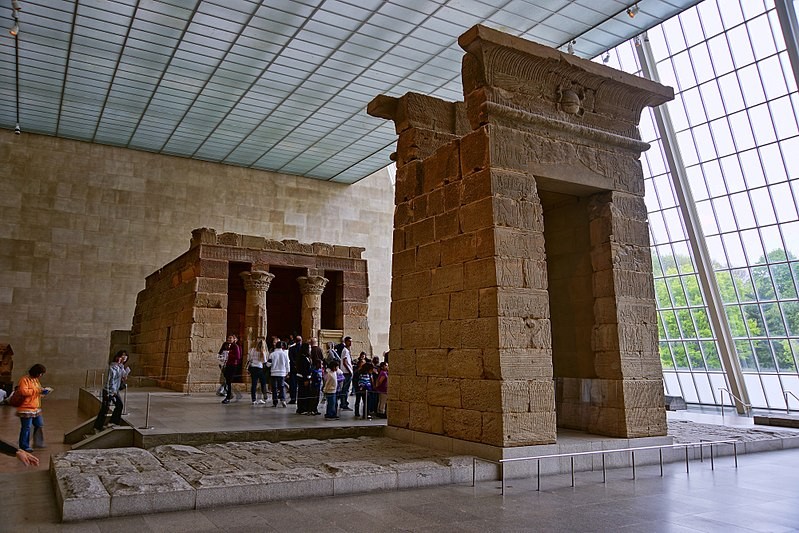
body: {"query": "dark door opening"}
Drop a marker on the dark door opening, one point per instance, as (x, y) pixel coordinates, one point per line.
(236, 306)
(283, 302)
(333, 300)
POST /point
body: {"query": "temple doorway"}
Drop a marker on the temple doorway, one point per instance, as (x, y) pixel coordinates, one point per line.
(283, 302)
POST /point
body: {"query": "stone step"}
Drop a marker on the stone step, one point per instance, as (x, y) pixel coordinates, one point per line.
(117, 437)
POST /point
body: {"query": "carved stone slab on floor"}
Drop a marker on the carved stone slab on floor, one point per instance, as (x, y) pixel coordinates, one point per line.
(93, 484)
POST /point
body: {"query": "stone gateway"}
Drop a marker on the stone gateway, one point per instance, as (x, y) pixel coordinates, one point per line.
(522, 295)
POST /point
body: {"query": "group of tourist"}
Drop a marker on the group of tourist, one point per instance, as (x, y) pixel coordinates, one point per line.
(309, 375)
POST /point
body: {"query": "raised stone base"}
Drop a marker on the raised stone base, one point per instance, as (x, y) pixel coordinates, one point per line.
(93, 484)
(567, 443)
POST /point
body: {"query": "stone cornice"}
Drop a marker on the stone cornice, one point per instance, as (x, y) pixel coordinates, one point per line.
(519, 116)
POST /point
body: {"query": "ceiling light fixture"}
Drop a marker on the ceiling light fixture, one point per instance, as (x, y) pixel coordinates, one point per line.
(632, 11)
(15, 9)
(15, 32)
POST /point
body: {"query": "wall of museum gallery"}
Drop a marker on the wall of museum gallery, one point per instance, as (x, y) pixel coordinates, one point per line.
(82, 224)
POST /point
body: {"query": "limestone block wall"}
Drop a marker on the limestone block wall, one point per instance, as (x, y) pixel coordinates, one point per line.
(83, 225)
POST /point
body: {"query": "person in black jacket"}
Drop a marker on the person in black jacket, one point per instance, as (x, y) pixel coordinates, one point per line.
(294, 357)
(304, 367)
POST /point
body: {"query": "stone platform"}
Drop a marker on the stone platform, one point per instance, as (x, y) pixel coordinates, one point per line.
(190, 461)
(91, 484)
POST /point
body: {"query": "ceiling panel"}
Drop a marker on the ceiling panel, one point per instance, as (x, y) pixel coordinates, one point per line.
(279, 85)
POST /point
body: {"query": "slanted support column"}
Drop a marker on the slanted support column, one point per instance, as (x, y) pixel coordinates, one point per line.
(256, 283)
(311, 288)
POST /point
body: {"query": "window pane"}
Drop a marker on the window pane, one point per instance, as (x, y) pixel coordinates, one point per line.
(721, 55)
(743, 211)
(751, 86)
(742, 131)
(771, 158)
(760, 118)
(762, 41)
(742, 53)
(711, 96)
(784, 117)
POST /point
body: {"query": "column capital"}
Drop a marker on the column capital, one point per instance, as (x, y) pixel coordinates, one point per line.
(257, 280)
(312, 284)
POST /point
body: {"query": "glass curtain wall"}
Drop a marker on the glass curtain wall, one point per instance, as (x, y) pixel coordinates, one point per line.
(735, 117)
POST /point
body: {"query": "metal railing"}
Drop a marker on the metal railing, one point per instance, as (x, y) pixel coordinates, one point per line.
(747, 406)
(603, 453)
(787, 407)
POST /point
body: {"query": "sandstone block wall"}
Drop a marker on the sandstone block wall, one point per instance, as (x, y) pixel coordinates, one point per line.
(536, 175)
(82, 226)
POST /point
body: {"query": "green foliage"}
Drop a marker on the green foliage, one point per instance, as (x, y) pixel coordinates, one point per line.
(754, 317)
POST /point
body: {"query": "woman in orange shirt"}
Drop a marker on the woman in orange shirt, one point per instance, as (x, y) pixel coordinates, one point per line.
(30, 412)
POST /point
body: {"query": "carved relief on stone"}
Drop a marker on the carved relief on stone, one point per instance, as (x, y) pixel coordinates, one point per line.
(312, 284)
(570, 99)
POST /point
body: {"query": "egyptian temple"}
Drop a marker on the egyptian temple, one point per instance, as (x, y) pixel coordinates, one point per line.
(249, 286)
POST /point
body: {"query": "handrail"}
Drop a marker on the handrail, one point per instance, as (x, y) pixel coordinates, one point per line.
(632, 451)
(787, 407)
(747, 406)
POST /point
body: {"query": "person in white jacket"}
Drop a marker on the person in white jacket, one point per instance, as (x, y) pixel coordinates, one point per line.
(278, 364)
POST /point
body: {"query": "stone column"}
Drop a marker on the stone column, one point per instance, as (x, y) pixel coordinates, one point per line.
(256, 283)
(311, 288)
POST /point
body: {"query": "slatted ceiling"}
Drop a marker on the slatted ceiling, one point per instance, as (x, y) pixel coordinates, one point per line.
(277, 85)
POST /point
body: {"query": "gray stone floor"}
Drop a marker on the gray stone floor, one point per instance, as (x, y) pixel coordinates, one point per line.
(761, 495)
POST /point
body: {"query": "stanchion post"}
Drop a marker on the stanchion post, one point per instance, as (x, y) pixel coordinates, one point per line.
(572, 463)
(147, 413)
(712, 465)
(604, 475)
(474, 471)
(686, 460)
(538, 466)
(125, 400)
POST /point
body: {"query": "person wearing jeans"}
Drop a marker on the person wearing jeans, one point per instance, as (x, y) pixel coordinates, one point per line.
(113, 381)
(278, 364)
(346, 368)
(30, 412)
(329, 388)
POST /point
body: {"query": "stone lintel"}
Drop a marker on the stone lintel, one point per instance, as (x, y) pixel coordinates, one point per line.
(522, 84)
